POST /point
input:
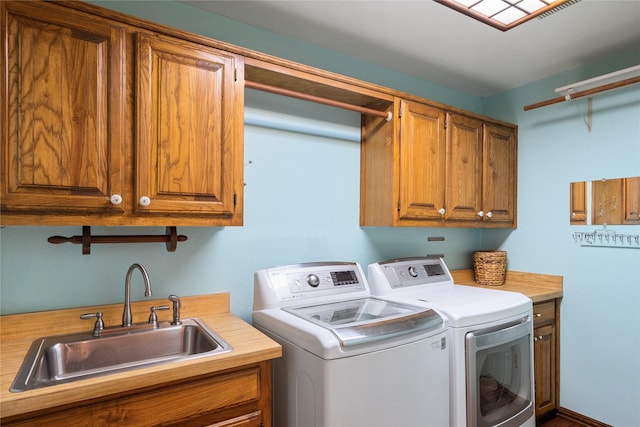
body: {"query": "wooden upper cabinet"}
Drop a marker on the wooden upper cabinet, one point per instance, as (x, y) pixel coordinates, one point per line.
(422, 161)
(189, 113)
(62, 145)
(109, 123)
(464, 168)
(437, 168)
(499, 174)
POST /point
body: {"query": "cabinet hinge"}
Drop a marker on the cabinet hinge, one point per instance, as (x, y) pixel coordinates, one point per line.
(235, 75)
(398, 205)
(235, 199)
(400, 111)
(446, 121)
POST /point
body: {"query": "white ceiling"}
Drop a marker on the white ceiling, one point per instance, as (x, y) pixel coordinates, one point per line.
(427, 40)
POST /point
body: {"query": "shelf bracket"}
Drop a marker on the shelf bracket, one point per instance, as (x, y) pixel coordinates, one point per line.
(588, 120)
(170, 238)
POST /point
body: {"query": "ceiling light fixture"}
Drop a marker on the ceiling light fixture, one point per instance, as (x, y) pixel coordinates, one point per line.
(506, 14)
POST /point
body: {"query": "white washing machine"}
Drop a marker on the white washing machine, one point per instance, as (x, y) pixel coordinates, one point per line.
(491, 340)
(349, 359)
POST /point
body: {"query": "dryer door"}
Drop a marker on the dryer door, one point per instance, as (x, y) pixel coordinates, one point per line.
(500, 375)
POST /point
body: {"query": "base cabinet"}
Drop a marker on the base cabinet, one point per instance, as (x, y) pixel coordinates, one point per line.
(234, 398)
(546, 351)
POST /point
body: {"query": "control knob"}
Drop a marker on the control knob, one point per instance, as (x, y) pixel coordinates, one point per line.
(413, 272)
(313, 280)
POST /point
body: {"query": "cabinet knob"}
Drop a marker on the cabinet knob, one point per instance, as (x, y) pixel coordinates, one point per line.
(538, 314)
(116, 199)
(481, 214)
(489, 214)
(442, 211)
(144, 201)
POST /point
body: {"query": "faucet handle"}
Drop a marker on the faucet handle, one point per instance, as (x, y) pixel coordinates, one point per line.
(176, 309)
(153, 317)
(99, 325)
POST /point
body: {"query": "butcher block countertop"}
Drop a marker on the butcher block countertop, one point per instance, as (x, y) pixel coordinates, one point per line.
(538, 287)
(19, 330)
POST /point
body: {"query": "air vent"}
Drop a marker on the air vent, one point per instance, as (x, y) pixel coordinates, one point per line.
(558, 8)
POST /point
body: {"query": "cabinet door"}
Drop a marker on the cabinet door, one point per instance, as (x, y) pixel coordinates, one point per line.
(578, 202)
(464, 168)
(607, 201)
(189, 129)
(545, 368)
(499, 177)
(632, 200)
(63, 139)
(422, 153)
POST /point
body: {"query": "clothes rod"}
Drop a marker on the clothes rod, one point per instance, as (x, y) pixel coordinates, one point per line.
(286, 92)
(583, 93)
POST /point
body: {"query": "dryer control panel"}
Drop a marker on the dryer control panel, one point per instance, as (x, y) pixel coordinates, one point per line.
(407, 272)
(310, 280)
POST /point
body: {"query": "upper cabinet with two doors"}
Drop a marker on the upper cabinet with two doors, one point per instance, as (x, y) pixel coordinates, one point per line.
(438, 167)
(109, 124)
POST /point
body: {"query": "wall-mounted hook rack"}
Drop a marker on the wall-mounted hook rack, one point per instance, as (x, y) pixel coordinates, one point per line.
(604, 238)
(171, 239)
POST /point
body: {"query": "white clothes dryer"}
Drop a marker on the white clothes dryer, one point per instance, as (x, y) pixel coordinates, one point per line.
(490, 336)
(349, 359)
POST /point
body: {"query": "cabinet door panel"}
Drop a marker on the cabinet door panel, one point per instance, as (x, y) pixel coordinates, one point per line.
(545, 369)
(64, 141)
(499, 186)
(464, 168)
(422, 150)
(632, 200)
(607, 201)
(578, 202)
(187, 137)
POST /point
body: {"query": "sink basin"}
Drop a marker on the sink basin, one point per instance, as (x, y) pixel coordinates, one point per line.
(65, 358)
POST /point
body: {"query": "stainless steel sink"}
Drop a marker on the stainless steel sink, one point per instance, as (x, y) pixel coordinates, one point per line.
(61, 359)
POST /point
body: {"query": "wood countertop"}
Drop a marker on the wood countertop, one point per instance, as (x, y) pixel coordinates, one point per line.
(18, 331)
(538, 287)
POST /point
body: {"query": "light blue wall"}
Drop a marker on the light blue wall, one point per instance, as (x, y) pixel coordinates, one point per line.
(302, 202)
(600, 312)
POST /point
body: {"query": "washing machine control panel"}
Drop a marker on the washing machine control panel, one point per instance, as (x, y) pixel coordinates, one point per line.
(303, 281)
(316, 279)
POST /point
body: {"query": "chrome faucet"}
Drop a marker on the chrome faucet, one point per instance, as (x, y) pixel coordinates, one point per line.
(126, 314)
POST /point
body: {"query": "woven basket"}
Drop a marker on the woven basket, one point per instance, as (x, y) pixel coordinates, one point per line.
(490, 267)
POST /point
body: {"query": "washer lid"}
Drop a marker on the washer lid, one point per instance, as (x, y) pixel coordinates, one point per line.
(366, 320)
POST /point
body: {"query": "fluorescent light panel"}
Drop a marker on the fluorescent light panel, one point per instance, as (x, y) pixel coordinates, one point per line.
(504, 14)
